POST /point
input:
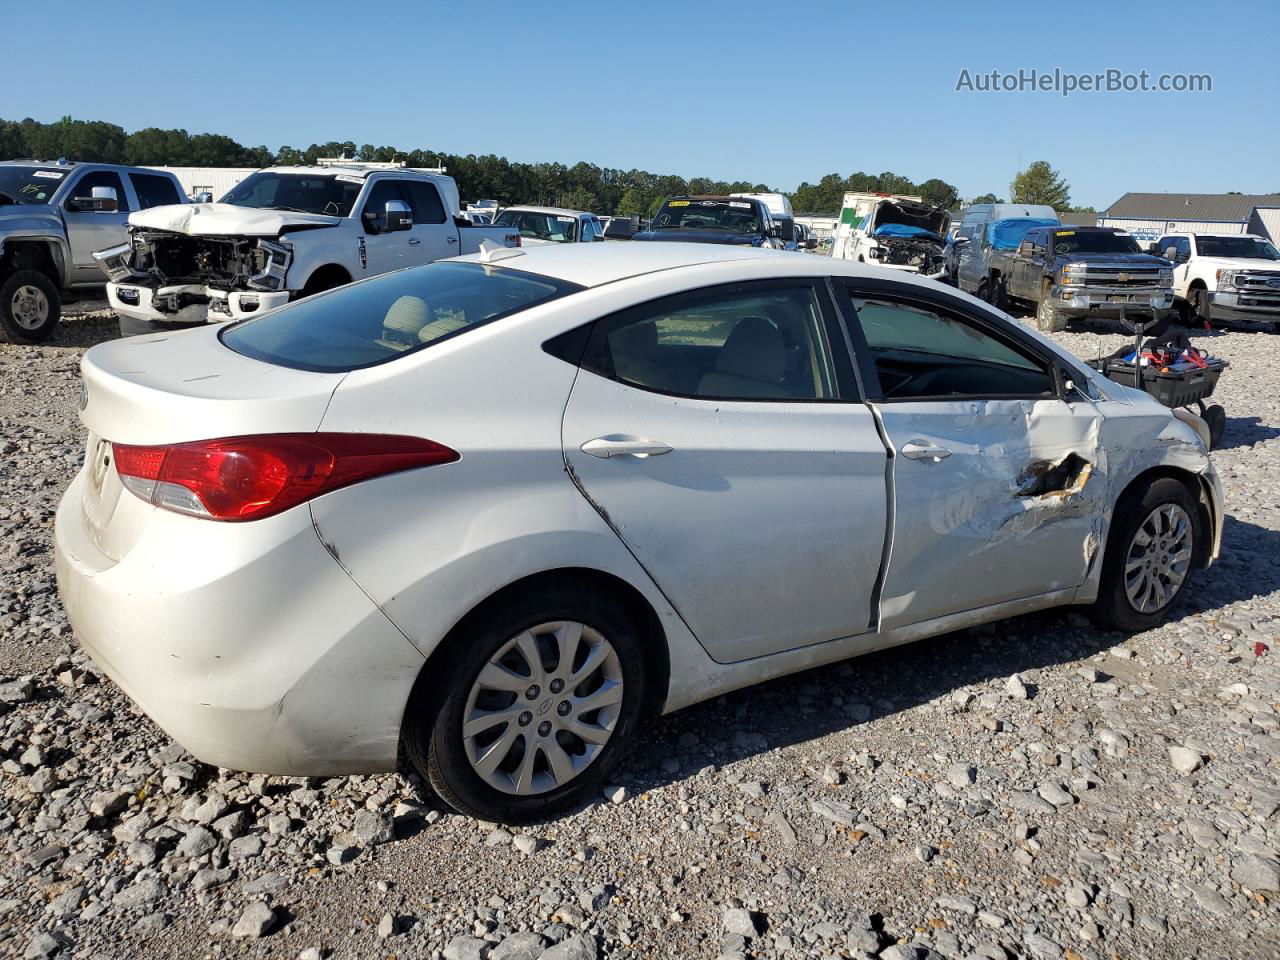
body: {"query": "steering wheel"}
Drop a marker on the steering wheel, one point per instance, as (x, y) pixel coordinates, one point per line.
(335, 212)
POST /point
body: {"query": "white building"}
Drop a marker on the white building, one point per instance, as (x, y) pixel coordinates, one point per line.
(1149, 216)
(214, 180)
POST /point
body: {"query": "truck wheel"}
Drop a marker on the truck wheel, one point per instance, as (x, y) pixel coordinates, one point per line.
(1199, 305)
(1049, 319)
(29, 306)
(136, 327)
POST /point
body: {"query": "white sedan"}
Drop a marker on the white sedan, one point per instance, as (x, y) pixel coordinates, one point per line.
(498, 509)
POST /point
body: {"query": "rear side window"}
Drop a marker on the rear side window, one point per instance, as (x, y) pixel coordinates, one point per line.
(424, 198)
(731, 345)
(389, 316)
(154, 190)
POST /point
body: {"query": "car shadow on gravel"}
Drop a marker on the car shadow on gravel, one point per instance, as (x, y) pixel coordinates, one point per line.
(1245, 432)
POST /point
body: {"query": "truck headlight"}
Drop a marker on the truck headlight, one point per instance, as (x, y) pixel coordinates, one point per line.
(1166, 274)
(1226, 280)
(116, 262)
(271, 261)
(1073, 273)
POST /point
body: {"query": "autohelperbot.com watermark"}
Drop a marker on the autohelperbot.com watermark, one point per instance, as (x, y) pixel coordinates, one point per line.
(1065, 82)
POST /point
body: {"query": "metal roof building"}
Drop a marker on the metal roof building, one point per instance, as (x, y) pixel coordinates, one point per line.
(1150, 215)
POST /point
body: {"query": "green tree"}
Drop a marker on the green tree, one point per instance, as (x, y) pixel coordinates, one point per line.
(1040, 183)
(986, 198)
(633, 201)
(939, 193)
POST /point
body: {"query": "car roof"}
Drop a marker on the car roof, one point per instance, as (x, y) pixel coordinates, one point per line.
(594, 264)
(364, 173)
(554, 211)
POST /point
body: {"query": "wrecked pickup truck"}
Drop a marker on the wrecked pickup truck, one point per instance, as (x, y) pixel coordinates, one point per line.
(1067, 273)
(900, 233)
(280, 234)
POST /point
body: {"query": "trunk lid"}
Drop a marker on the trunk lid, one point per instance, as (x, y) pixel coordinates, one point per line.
(174, 387)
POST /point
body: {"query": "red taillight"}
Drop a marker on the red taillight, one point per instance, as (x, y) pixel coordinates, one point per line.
(245, 478)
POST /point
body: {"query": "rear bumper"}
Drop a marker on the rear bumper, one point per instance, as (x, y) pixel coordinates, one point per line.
(1095, 301)
(217, 306)
(245, 642)
(1237, 306)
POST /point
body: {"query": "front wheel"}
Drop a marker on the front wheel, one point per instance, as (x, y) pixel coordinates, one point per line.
(541, 696)
(1049, 319)
(1150, 556)
(29, 306)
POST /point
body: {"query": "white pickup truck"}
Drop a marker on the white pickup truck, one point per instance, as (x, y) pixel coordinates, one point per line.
(1221, 276)
(280, 234)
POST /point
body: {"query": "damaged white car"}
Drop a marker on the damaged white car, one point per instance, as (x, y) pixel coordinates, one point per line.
(282, 234)
(498, 509)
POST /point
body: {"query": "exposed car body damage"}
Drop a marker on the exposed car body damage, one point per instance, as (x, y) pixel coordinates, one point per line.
(908, 235)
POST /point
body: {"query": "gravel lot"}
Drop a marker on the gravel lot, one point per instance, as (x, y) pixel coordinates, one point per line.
(1035, 789)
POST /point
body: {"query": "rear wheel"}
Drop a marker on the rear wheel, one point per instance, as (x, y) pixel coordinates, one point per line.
(1150, 555)
(541, 696)
(29, 306)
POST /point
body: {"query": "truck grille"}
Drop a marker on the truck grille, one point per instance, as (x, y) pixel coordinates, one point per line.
(1261, 282)
(1131, 277)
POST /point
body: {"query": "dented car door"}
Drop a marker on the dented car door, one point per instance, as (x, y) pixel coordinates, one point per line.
(995, 496)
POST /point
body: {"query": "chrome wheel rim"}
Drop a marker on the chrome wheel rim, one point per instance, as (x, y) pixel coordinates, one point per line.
(29, 307)
(1158, 558)
(543, 708)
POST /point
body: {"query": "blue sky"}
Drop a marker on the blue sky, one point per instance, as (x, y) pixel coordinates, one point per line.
(777, 92)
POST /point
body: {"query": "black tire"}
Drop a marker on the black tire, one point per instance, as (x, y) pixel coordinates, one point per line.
(999, 291)
(136, 327)
(1049, 319)
(1198, 305)
(1216, 417)
(433, 720)
(30, 307)
(983, 292)
(1150, 327)
(1113, 607)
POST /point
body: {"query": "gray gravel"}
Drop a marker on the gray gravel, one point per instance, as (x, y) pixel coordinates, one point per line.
(1033, 789)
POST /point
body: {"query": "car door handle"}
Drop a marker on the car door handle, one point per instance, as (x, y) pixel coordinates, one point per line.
(450, 239)
(607, 447)
(923, 450)
(414, 241)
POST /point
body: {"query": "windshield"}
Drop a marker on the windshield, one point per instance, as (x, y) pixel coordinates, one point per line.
(1244, 247)
(368, 323)
(738, 216)
(28, 184)
(1073, 241)
(333, 194)
(1007, 234)
(557, 228)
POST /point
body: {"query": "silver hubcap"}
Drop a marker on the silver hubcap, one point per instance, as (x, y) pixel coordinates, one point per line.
(543, 708)
(1158, 559)
(30, 307)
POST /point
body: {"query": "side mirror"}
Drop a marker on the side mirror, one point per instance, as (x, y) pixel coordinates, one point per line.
(810, 243)
(959, 241)
(398, 216)
(1170, 253)
(104, 200)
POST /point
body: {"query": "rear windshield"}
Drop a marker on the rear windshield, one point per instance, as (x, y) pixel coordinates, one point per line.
(389, 316)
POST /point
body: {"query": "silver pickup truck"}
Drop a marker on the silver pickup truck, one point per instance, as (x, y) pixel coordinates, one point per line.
(53, 216)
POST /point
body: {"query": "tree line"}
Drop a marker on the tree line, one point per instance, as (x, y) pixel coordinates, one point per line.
(583, 186)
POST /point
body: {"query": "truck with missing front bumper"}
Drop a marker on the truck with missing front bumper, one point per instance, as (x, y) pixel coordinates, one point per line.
(281, 234)
(1223, 277)
(53, 216)
(895, 231)
(1068, 273)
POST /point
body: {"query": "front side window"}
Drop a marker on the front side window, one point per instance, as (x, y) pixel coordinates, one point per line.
(920, 351)
(375, 208)
(764, 344)
(331, 194)
(101, 178)
(389, 316)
